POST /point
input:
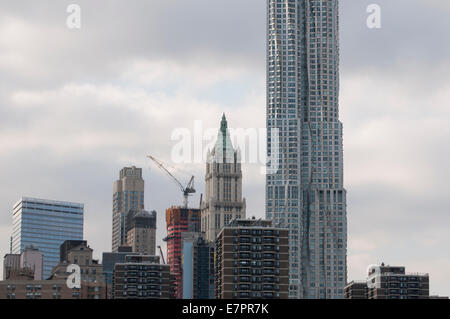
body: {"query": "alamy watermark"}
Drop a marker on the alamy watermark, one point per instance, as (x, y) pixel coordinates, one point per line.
(74, 279)
(73, 21)
(374, 19)
(192, 146)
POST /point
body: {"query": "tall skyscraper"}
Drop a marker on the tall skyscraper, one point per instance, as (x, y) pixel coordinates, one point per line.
(45, 225)
(179, 220)
(223, 200)
(128, 196)
(305, 193)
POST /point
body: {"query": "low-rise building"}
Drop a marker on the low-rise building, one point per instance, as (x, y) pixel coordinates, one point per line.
(93, 284)
(390, 282)
(356, 290)
(36, 289)
(28, 264)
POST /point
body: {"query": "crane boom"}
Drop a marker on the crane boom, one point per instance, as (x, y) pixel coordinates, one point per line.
(162, 255)
(161, 166)
(189, 189)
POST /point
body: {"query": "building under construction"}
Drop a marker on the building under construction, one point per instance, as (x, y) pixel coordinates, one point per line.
(178, 221)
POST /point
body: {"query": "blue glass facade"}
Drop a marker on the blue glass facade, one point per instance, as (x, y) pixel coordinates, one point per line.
(46, 224)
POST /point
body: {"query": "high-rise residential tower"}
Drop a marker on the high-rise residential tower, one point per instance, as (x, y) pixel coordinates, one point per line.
(305, 191)
(223, 200)
(45, 225)
(128, 196)
(252, 261)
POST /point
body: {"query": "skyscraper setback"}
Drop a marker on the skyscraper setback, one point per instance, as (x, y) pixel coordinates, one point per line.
(306, 194)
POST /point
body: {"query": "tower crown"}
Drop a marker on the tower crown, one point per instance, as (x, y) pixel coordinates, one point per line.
(223, 124)
(223, 151)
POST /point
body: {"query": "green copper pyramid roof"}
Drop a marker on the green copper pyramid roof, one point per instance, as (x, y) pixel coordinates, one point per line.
(224, 151)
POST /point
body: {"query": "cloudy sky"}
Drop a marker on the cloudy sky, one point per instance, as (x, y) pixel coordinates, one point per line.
(78, 105)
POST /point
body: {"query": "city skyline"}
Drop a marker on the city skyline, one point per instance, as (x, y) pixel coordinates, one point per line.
(392, 91)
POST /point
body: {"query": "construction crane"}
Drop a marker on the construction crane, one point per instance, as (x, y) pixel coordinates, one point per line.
(162, 255)
(187, 191)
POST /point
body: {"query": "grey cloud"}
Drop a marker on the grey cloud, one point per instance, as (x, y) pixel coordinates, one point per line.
(411, 30)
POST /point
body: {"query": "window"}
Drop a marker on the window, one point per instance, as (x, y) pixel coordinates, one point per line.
(217, 221)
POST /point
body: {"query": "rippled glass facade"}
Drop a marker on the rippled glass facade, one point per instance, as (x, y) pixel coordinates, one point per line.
(46, 224)
(306, 194)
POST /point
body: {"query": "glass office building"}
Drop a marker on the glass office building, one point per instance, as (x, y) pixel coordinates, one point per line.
(46, 224)
(306, 193)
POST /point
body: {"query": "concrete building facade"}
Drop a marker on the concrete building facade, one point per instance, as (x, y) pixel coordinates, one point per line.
(141, 232)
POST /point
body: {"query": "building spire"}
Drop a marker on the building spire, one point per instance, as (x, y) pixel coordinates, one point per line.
(224, 125)
(224, 151)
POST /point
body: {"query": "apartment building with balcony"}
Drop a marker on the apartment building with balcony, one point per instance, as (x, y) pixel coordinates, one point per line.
(252, 261)
(389, 282)
(142, 277)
